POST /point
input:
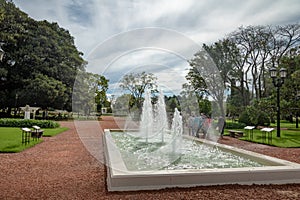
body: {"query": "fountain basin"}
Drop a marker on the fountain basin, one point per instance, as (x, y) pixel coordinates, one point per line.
(119, 178)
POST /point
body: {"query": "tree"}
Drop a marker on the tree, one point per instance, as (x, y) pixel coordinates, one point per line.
(44, 90)
(206, 79)
(36, 52)
(253, 44)
(290, 90)
(89, 92)
(123, 104)
(256, 114)
(136, 84)
(100, 84)
(189, 100)
(262, 47)
(244, 57)
(172, 102)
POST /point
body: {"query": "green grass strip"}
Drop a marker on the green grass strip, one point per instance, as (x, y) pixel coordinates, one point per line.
(288, 138)
(11, 138)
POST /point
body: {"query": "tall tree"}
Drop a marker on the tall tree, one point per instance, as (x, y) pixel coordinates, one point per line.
(290, 91)
(206, 78)
(36, 53)
(243, 59)
(101, 85)
(137, 83)
(89, 92)
(262, 47)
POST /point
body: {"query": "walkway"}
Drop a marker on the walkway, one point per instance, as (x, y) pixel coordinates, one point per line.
(62, 168)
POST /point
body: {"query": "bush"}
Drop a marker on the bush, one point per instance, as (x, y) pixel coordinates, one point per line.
(263, 119)
(7, 122)
(234, 125)
(245, 118)
(254, 117)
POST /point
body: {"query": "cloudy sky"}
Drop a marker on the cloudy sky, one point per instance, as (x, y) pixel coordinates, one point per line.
(158, 36)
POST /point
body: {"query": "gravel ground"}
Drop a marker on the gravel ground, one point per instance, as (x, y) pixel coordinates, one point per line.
(62, 168)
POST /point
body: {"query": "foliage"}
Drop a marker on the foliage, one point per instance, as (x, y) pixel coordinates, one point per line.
(122, 104)
(206, 79)
(254, 116)
(89, 92)
(9, 122)
(234, 125)
(243, 59)
(100, 86)
(44, 86)
(290, 91)
(262, 47)
(136, 84)
(172, 103)
(40, 62)
(245, 118)
(191, 103)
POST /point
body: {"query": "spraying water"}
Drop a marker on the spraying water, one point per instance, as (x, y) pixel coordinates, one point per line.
(176, 131)
(146, 125)
(154, 120)
(160, 119)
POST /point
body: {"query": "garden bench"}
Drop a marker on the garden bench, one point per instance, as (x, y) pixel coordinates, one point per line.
(236, 133)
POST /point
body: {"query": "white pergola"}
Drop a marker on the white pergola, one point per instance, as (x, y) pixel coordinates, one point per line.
(29, 109)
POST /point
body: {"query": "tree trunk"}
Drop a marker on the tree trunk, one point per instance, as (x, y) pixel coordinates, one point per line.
(8, 113)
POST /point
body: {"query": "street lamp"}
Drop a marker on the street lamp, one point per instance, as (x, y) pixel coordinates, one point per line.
(278, 82)
(297, 112)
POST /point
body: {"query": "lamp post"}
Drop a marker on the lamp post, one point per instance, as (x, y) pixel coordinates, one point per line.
(297, 112)
(278, 82)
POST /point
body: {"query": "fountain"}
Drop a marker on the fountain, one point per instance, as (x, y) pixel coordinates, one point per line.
(176, 132)
(156, 157)
(154, 143)
(160, 118)
(146, 126)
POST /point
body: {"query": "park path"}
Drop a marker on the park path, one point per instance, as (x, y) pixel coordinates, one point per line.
(62, 168)
(58, 168)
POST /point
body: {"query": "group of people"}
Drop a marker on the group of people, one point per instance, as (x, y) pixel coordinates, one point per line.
(202, 123)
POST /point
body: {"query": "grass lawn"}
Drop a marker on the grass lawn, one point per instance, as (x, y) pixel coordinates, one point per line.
(11, 138)
(289, 136)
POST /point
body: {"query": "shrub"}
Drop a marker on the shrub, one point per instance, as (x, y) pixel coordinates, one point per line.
(245, 118)
(7, 122)
(255, 117)
(263, 119)
(234, 125)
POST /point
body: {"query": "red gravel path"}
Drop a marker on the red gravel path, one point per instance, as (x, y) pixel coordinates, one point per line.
(62, 168)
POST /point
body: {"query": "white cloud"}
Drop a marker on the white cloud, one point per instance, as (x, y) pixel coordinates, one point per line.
(93, 23)
(169, 68)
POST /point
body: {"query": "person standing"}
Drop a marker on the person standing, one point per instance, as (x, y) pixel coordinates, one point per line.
(221, 125)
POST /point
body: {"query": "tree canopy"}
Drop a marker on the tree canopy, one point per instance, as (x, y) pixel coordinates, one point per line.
(40, 63)
(243, 59)
(137, 83)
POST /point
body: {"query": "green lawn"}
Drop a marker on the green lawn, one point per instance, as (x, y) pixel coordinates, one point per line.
(286, 124)
(11, 138)
(290, 137)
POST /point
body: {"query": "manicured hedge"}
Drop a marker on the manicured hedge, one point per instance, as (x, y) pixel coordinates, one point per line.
(7, 122)
(234, 125)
